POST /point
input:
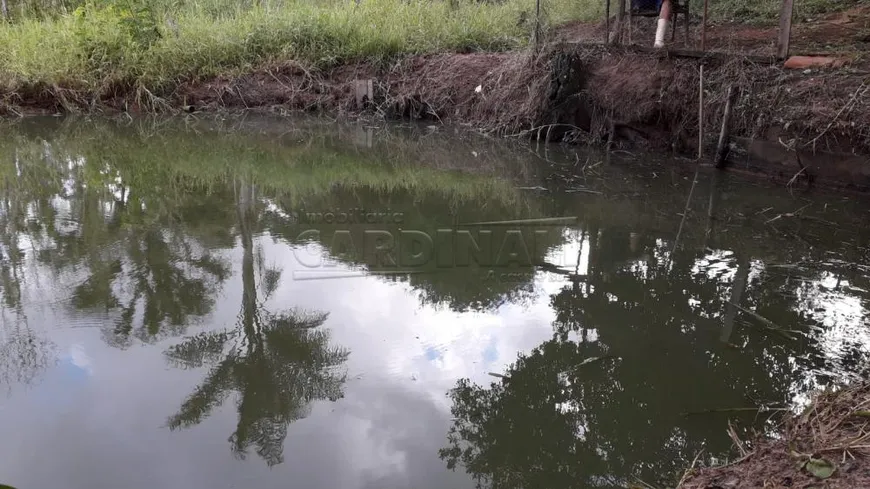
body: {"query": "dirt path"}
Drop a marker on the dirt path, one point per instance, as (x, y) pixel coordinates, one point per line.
(842, 34)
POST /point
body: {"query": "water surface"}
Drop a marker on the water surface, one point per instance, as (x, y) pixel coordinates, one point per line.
(258, 303)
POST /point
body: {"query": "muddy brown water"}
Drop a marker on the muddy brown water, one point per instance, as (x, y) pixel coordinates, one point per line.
(258, 303)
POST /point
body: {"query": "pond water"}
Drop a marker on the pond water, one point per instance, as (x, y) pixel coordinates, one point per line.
(268, 304)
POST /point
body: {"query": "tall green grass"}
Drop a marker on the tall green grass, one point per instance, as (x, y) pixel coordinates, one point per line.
(202, 39)
(92, 45)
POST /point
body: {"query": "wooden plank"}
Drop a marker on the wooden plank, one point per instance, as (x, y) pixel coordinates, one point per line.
(701, 112)
(704, 26)
(785, 18)
(691, 53)
(680, 53)
(686, 25)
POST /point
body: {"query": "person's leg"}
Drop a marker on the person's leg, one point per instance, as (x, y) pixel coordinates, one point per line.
(664, 22)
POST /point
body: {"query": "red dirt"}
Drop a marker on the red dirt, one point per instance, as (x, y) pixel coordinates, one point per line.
(845, 33)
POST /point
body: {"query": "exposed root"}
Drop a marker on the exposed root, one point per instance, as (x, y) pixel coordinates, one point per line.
(579, 93)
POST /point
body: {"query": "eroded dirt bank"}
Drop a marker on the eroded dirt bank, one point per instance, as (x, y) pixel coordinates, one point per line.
(800, 126)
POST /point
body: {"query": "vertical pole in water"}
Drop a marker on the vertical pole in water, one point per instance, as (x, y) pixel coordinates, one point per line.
(711, 207)
(701, 112)
(606, 22)
(737, 288)
(785, 17)
(704, 26)
(719, 157)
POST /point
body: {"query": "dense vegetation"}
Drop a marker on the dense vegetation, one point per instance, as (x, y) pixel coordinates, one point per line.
(94, 45)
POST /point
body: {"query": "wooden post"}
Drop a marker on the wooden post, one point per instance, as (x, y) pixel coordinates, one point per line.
(364, 93)
(537, 22)
(785, 17)
(629, 23)
(704, 26)
(620, 18)
(607, 22)
(4, 9)
(701, 113)
(719, 158)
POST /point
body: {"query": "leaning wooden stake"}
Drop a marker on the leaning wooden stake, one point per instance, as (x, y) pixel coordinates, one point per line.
(607, 22)
(701, 113)
(537, 22)
(719, 158)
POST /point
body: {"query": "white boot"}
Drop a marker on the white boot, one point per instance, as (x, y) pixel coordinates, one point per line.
(661, 31)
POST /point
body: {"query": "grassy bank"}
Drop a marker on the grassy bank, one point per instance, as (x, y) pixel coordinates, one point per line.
(102, 47)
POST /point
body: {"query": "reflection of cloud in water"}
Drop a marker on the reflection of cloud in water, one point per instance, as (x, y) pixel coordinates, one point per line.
(78, 360)
(719, 265)
(573, 254)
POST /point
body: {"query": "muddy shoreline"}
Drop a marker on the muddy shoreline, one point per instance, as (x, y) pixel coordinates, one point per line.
(801, 127)
(821, 447)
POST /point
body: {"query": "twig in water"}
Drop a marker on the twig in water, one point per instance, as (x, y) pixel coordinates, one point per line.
(543, 189)
(584, 190)
(685, 213)
(644, 484)
(735, 410)
(787, 214)
(739, 444)
(690, 469)
(795, 177)
(767, 322)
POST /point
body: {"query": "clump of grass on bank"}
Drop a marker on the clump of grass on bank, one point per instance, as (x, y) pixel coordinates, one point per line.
(101, 45)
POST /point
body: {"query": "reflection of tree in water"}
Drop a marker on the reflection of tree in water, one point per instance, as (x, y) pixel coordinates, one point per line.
(277, 363)
(463, 278)
(24, 355)
(656, 321)
(164, 281)
(121, 235)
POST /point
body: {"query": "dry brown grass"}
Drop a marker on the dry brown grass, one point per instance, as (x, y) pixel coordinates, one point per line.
(835, 428)
(523, 91)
